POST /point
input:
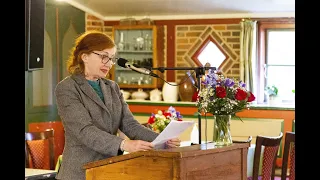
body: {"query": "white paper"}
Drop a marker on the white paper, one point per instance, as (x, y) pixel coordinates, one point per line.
(173, 130)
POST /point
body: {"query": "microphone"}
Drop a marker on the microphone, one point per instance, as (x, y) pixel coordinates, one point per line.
(126, 64)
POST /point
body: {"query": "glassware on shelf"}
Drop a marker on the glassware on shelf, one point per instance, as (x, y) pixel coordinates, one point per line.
(135, 44)
(121, 43)
(140, 42)
(146, 42)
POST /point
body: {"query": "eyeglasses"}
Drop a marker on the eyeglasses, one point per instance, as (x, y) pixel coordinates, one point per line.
(105, 58)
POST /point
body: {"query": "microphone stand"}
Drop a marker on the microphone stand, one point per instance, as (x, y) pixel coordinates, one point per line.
(199, 72)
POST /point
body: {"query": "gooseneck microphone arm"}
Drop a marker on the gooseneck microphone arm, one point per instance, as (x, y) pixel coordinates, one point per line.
(200, 71)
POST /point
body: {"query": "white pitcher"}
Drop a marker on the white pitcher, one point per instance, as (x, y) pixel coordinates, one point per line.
(170, 92)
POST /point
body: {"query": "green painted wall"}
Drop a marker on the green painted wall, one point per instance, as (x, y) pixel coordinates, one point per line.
(62, 15)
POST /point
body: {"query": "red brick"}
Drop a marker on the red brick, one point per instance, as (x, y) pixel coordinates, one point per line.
(236, 33)
(193, 34)
(233, 40)
(197, 28)
(94, 28)
(233, 27)
(94, 23)
(182, 40)
(219, 27)
(192, 40)
(183, 46)
(91, 17)
(182, 28)
(180, 34)
(226, 33)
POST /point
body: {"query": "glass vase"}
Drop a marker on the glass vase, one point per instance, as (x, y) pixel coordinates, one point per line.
(221, 130)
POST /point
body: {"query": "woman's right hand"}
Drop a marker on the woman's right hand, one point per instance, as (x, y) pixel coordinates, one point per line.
(137, 145)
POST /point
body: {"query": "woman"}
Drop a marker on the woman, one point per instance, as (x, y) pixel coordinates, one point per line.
(92, 109)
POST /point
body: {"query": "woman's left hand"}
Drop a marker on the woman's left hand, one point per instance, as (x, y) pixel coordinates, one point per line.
(173, 143)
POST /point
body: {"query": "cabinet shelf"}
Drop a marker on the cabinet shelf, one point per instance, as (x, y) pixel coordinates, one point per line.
(145, 39)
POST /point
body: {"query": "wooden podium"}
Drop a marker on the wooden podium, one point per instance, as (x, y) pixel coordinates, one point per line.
(204, 161)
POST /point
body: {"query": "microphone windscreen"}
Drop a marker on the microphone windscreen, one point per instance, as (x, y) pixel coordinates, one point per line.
(122, 62)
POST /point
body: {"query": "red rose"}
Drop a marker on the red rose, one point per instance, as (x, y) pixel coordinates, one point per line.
(221, 92)
(241, 95)
(151, 120)
(195, 96)
(167, 114)
(251, 97)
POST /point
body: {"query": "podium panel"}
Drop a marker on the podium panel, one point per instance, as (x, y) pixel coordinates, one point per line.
(204, 161)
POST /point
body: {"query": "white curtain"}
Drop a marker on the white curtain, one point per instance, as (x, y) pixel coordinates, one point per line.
(248, 54)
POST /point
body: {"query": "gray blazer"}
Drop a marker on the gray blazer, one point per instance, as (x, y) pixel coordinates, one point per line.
(91, 125)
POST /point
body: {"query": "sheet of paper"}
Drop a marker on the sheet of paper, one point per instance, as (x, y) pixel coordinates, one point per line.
(173, 130)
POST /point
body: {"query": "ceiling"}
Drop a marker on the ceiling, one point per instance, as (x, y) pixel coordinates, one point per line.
(185, 9)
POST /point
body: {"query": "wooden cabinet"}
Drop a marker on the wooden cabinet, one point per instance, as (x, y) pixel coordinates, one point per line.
(138, 45)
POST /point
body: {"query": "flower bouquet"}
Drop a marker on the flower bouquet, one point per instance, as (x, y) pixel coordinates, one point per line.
(222, 97)
(161, 119)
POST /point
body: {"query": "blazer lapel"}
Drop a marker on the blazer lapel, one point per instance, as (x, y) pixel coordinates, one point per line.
(89, 91)
(107, 94)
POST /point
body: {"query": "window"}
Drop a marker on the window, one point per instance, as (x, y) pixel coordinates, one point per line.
(211, 54)
(277, 56)
(280, 62)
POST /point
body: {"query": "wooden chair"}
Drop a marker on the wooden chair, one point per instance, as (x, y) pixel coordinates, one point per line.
(269, 156)
(39, 147)
(289, 156)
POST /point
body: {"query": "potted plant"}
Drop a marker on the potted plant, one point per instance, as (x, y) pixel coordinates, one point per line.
(272, 92)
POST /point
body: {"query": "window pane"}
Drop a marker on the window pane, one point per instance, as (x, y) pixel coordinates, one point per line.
(282, 77)
(281, 47)
(212, 55)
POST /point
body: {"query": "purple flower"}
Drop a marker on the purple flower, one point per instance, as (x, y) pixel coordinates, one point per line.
(228, 82)
(171, 109)
(179, 115)
(211, 80)
(242, 84)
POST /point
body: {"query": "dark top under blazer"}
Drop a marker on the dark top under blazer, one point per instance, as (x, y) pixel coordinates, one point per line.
(91, 125)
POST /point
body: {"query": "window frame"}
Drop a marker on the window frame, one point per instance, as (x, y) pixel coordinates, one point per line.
(263, 27)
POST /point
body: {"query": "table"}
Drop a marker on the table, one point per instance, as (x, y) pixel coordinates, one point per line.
(36, 174)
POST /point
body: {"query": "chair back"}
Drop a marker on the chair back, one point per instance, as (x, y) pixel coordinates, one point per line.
(289, 156)
(39, 147)
(269, 156)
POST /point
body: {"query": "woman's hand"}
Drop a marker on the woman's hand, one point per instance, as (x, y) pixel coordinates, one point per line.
(137, 145)
(173, 143)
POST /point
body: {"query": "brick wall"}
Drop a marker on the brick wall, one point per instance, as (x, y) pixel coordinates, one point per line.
(189, 38)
